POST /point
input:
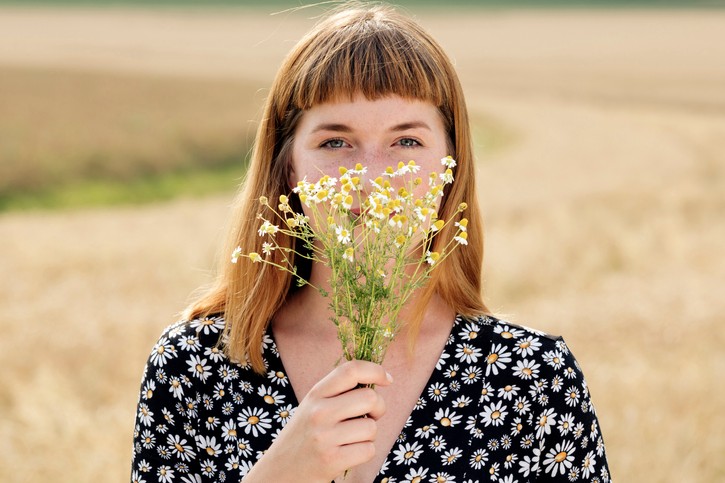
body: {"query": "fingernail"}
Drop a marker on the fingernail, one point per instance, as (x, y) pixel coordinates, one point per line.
(389, 376)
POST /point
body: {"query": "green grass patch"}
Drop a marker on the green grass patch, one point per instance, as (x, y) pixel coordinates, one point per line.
(141, 190)
(72, 138)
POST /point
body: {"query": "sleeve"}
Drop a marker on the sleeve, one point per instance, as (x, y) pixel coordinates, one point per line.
(571, 446)
(164, 447)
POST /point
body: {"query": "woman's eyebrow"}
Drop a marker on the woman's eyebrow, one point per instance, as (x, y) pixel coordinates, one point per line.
(410, 125)
(339, 127)
(333, 127)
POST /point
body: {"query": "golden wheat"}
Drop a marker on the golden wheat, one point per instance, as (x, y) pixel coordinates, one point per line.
(604, 213)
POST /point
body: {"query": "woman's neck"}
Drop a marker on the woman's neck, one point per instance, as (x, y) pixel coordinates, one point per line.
(306, 311)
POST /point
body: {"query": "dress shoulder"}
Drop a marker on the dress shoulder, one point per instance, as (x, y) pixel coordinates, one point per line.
(503, 330)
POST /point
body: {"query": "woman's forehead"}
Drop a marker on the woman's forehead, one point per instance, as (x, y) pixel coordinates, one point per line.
(391, 110)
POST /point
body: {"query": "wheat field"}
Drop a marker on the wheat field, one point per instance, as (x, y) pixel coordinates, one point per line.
(601, 149)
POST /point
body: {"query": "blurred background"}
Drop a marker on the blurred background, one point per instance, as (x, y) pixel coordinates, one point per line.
(600, 136)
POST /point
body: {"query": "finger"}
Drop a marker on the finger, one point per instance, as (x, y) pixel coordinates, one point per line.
(378, 409)
(349, 375)
(355, 431)
(356, 403)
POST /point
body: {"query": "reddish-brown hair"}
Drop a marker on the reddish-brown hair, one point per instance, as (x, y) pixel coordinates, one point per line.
(377, 52)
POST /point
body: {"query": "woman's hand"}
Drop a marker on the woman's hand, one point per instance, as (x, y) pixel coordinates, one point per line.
(327, 434)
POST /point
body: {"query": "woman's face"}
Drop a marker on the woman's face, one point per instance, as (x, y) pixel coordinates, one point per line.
(376, 133)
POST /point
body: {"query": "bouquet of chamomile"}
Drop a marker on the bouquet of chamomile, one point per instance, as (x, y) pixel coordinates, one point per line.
(375, 241)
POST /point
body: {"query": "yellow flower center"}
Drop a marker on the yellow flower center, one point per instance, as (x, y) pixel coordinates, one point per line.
(560, 457)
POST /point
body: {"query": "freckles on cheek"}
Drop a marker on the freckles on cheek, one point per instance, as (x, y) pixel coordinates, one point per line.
(314, 169)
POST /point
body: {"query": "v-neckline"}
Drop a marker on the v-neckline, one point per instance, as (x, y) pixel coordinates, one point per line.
(444, 354)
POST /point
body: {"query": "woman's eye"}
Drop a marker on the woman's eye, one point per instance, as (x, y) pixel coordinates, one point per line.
(334, 143)
(408, 142)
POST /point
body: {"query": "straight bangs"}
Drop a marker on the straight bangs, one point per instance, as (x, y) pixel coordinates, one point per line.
(347, 55)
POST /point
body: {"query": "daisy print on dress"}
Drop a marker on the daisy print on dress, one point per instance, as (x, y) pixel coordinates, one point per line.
(503, 404)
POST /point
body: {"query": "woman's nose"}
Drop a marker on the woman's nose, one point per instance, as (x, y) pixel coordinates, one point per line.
(376, 160)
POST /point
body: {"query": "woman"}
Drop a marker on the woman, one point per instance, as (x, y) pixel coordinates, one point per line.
(460, 396)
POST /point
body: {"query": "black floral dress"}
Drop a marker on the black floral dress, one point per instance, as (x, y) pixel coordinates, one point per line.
(505, 404)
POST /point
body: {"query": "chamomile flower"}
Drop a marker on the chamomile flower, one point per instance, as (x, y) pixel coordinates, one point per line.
(432, 257)
(343, 235)
(448, 162)
(268, 229)
(267, 248)
(447, 176)
(461, 238)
